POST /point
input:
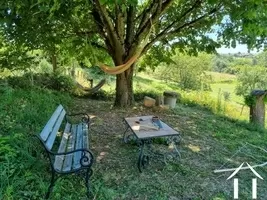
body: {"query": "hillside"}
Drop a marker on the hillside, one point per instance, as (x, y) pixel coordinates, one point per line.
(209, 142)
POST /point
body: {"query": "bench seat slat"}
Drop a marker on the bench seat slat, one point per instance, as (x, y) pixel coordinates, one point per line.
(71, 144)
(79, 145)
(50, 141)
(85, 136)
(62, 148)
(50, 124)
(86, 141)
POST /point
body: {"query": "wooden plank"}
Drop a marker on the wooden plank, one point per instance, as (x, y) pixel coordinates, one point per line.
(49, 126)
(62, 148)
(50, 141)
(85, 136)
(79, 145)
(71, 143)
(86, 140)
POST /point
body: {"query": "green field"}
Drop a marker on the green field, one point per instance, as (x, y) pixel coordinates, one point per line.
(225, 83)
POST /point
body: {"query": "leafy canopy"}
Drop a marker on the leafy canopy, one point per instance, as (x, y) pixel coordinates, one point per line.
(119, 27)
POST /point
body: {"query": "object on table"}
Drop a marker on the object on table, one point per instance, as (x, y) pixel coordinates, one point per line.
(156, 121)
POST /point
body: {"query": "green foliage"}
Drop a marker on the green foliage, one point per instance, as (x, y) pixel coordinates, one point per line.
(250, 100)
(251, 78)
(261, 59)
(188, 71)
(140, 94)
(101, 95)
(221, 63)
(119, 29)
(46, 80)
(22, 114)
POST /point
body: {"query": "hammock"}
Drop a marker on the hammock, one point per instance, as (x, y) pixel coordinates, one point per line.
(121, 68)
(93, 89)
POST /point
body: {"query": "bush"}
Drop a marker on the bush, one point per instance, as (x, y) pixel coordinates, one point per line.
(102, 95)
(46, 80)
(139, 95)
(23, 113)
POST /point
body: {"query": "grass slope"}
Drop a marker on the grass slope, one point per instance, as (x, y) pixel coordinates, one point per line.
(209, 141)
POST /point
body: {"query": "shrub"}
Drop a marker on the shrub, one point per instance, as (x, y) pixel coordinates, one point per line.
(23, 114)
(46, 80)
(62, 83)
(101, 95)
(139, 95)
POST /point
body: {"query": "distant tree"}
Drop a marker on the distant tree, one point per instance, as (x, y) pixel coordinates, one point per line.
(250, 78)
(221, 63)
(261, 58)
(187, 71)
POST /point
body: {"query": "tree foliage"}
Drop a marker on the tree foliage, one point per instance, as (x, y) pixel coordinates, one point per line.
(251, 78)
(120, 27)
(188, 71)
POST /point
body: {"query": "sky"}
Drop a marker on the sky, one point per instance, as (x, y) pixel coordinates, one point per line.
(242, 48)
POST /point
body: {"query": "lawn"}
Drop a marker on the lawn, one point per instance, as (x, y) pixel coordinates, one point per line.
(209, 142)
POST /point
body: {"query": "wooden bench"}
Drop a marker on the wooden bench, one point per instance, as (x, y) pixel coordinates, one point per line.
(71, 154)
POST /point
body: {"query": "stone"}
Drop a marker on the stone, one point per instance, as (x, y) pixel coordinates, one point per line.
(149, 102)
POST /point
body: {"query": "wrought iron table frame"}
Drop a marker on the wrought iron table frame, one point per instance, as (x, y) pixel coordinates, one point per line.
(143, 160)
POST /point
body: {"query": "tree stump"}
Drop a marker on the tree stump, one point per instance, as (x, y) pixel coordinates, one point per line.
(257, 109)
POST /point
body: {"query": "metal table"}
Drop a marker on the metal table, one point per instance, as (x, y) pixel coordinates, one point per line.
(143, 129)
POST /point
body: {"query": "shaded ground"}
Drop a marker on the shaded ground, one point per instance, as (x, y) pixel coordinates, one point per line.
(208, 142)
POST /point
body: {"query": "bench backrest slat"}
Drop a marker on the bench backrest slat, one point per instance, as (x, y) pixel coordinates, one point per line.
(78, 145)
(62, 148)
(71, 145)
(50, 130)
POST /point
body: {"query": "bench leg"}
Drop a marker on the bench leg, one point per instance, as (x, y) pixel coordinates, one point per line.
(52, 183)
(89, 173)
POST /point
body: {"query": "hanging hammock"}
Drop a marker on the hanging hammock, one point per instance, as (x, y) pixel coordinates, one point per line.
(93, 89)
(121, 68)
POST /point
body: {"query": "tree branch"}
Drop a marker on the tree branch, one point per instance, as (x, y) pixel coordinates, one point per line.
(177, 30)
(112, 39)
(119, 22)
(130, 27)
(107, 23)
(144, 30)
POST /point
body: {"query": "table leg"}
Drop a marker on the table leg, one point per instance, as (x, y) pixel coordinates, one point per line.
(128, 135)
(174, 153)
(143, 160)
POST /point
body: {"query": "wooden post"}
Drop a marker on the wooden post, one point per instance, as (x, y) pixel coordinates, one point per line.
(257, 111)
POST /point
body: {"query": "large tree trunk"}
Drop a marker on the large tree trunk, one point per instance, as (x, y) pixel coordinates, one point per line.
(124, 88)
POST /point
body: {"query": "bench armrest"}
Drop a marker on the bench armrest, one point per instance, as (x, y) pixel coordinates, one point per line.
(87, 157)
(85, 117)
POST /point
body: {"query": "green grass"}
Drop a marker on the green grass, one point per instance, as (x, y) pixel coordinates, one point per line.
(22, 114)
(209, 142)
